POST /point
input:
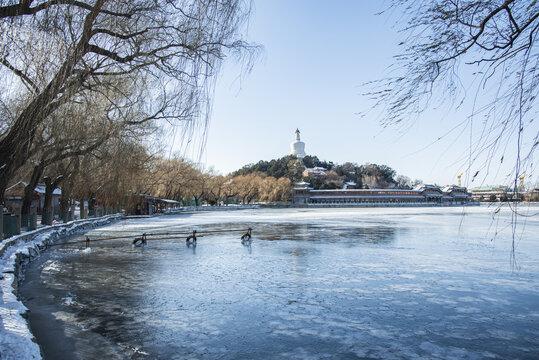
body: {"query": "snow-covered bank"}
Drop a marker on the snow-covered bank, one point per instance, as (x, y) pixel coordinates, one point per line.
(16, 341)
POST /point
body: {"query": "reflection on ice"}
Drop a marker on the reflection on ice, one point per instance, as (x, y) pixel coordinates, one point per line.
(377, 234)
(337, 283)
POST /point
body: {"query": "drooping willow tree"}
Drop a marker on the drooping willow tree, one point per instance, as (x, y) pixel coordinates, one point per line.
(493, 42)
(56, 54)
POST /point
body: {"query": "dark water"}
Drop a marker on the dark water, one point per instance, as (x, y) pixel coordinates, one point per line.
(314, 284)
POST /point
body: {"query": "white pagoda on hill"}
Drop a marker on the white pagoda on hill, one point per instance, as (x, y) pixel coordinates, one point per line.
(297, 147)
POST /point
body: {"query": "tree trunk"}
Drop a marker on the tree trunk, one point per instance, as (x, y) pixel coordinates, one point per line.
(72, 210)
(91, 205)
(14, 149)
(82, 209)
(48, 210)
(47, 213)
(64, 207)
(29, 189)
(3, 185)
(64, 202)
(1, 222)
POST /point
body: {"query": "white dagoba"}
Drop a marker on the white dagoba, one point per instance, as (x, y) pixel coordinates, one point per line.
(298, 147)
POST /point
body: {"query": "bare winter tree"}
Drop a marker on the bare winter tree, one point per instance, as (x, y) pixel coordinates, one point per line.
(80, 130)
(494, 42)
(100, 178)
(173, 178)
(53, 53)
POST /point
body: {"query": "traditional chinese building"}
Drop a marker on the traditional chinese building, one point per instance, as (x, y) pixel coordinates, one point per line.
(143, 204)
(15, 194)
(421, 195)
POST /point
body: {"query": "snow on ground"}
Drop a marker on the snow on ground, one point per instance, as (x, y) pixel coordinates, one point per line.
(16, 341)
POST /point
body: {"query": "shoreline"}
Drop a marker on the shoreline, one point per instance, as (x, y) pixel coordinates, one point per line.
(16, 340)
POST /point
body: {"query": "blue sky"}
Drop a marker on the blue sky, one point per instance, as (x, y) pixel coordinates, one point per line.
(317, 56)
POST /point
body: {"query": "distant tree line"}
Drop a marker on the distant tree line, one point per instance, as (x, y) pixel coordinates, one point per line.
(183, 181)
(123, 170)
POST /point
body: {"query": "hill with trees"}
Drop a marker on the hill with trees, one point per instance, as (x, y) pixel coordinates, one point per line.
(287, 166)
(329, 174)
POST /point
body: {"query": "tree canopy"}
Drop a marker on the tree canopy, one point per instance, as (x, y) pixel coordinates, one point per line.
(153, 61)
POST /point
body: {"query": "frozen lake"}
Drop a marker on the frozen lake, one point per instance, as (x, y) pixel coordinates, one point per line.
(315, 284)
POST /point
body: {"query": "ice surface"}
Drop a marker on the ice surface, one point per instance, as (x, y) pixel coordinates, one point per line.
(325, 283)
